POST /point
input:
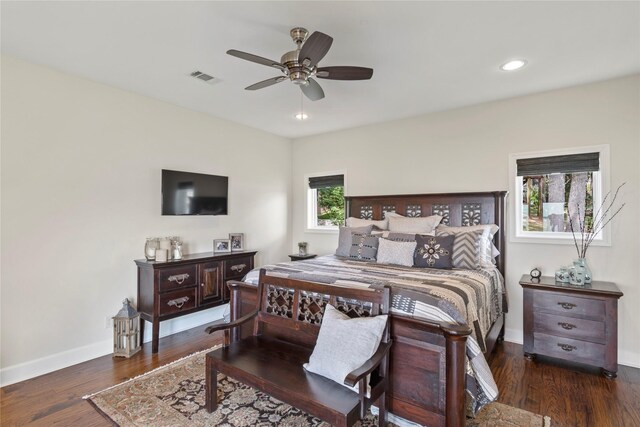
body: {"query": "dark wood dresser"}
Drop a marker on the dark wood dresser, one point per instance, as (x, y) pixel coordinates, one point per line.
(196, 282)
(575, 323)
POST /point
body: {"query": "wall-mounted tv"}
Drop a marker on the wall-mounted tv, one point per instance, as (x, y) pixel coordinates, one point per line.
(187, 193)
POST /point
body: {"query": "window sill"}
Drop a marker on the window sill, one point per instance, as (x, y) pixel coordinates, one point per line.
(545, 240)
(322, 230)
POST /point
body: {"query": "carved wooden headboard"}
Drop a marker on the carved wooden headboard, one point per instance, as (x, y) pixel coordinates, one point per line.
(457, 209)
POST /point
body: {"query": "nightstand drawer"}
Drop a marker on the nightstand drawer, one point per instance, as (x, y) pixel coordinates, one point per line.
(569, 349)
(176, 278)
(566, 305)
(237, 267)
(570, 327)
(174, 302)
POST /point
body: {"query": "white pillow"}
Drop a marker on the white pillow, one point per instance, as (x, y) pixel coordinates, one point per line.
(395, 252)
(414, 225)
(331, 357)
(358, 222)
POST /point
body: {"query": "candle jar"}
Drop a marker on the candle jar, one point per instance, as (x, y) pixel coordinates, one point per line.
(150, 247)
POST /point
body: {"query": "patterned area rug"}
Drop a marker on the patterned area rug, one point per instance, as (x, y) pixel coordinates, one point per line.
(173, 395)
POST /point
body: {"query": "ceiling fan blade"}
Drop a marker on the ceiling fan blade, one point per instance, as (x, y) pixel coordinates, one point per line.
(344, 73)
(315, 48)
(255, 58)
(312, 90)
(266, 83)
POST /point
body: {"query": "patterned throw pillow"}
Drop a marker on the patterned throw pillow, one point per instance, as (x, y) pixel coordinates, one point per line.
(396, 252)
(468, 249)
(344, 238)
(364, 247)
(434, 252)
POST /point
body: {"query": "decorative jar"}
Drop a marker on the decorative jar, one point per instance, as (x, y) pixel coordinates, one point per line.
(302, 248)
(150, 248)
(576, 274)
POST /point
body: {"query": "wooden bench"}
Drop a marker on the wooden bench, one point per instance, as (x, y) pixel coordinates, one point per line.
(286, 323)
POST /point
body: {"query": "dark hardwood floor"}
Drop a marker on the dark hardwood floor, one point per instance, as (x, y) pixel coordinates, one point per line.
(571, 396)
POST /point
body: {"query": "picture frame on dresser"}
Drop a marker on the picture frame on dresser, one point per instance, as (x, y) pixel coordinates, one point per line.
(237, 241)
(221, 245)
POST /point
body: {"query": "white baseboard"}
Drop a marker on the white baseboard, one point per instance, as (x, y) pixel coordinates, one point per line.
(625, 358)
(44, 365)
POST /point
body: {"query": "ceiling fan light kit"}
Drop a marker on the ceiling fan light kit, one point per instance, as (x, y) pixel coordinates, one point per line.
(301, 64)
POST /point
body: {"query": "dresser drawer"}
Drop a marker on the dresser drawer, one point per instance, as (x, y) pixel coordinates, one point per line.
(177, 277)
(567, 305)
(569, 349)
(177, 301)
(570, 327)
(237, 267)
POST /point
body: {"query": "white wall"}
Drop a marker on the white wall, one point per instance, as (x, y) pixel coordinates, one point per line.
(467, 150)
(81, 168)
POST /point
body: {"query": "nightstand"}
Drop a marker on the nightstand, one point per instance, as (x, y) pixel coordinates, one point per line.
(576, 323)
(296, 257)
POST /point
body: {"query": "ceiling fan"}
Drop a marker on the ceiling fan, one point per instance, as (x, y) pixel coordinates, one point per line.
(301, 64)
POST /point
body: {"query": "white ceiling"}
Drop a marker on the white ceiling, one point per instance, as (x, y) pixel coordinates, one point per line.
(427, 56)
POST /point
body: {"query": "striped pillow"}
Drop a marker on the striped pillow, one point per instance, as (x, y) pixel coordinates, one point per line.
(467, 248)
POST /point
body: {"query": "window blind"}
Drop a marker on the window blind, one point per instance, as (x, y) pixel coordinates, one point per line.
(584, 162)
(326, 181)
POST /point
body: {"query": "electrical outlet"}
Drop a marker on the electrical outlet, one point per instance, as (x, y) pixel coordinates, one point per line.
(108, 322)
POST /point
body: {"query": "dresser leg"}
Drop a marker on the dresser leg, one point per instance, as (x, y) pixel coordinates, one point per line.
(155, 336)
(609, 374)
(530, 356)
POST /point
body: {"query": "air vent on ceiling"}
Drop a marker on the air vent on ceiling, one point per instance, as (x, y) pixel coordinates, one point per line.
(202, 76)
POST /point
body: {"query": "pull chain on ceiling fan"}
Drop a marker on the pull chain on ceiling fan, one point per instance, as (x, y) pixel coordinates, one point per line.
(301, 65)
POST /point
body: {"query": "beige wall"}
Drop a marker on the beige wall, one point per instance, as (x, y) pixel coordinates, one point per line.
(467, 150)
(81, 168)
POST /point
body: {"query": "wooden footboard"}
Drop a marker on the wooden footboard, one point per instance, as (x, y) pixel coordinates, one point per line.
(427, 364)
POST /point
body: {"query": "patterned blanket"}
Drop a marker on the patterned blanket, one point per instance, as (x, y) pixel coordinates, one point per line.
(472, 297)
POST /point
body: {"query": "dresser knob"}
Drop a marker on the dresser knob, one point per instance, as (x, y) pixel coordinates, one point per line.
(567, 347)
(566, 305)
(567, 326)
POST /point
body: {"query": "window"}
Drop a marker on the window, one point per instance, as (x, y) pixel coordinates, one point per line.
(555, 189)
(325, 201)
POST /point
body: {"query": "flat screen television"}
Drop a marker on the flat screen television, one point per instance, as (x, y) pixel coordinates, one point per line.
(187, 193)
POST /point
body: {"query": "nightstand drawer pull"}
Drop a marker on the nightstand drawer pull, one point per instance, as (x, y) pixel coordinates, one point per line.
(567, 347)
(238, 267)
(567, 305)
(567, 326)
(179, 302)
(179, 278)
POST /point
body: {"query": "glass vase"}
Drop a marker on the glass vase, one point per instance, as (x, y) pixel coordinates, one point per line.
(150, 248)
(582, 262)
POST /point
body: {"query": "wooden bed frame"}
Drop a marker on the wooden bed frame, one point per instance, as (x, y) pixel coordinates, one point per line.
(427, 364)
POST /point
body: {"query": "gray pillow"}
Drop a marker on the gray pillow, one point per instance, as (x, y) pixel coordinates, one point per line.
(434, 252)
(344, 238)
(364, 247)
(344, 344)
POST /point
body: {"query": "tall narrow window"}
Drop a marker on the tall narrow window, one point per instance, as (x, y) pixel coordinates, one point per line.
(553, 191)
(325, 202)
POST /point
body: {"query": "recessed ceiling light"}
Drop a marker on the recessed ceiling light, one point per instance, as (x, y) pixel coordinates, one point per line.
(513, 65)
(301, 116)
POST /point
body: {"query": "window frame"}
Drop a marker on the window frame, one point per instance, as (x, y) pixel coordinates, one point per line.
(600, 187)
(311, 205)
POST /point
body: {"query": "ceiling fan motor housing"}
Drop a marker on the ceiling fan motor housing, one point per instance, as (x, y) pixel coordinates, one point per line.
(298, 73)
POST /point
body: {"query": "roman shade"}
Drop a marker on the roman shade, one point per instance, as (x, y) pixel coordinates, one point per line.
(326, 181)
(583, 162)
